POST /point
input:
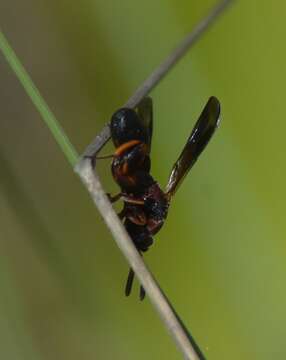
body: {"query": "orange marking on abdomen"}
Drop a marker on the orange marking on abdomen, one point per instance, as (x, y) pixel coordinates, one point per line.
(126, 146)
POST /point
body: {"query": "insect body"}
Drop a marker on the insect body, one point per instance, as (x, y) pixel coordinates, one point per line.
(145, 203)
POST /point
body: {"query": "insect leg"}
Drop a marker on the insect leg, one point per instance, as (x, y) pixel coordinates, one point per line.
(129, 282)
(133, 200)
(104, 157)
(94, 158)
(142, 293)
(114, 198)
(122, 214)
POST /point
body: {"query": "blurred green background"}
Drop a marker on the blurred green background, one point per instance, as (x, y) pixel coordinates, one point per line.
(220, 256)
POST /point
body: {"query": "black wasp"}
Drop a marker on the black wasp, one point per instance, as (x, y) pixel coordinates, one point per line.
(145, 203)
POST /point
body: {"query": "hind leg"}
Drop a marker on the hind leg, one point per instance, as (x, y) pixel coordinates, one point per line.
(142, 240)
(142, 293)
(129, 282)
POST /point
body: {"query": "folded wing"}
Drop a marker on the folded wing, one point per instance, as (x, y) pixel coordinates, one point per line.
(199, 138)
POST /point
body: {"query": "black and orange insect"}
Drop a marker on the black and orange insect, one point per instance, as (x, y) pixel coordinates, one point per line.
(145, 203)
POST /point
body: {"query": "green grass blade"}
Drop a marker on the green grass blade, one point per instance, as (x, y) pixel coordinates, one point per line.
(34, 94)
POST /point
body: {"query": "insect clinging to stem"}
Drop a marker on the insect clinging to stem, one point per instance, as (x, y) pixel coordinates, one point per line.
(145, 203)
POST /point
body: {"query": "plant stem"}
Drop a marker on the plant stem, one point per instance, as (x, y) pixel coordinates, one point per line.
(35, 96)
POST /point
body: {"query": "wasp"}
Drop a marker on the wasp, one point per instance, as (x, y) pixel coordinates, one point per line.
(145, 203)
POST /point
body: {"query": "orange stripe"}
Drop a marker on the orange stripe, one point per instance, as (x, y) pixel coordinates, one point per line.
(126, 146)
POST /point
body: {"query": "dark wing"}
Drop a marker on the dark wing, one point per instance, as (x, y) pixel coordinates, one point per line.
(145, 113)
(200, 136)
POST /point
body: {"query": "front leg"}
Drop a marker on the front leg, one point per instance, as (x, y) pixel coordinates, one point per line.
(122, 214)
(114, 198)
(93, 158)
